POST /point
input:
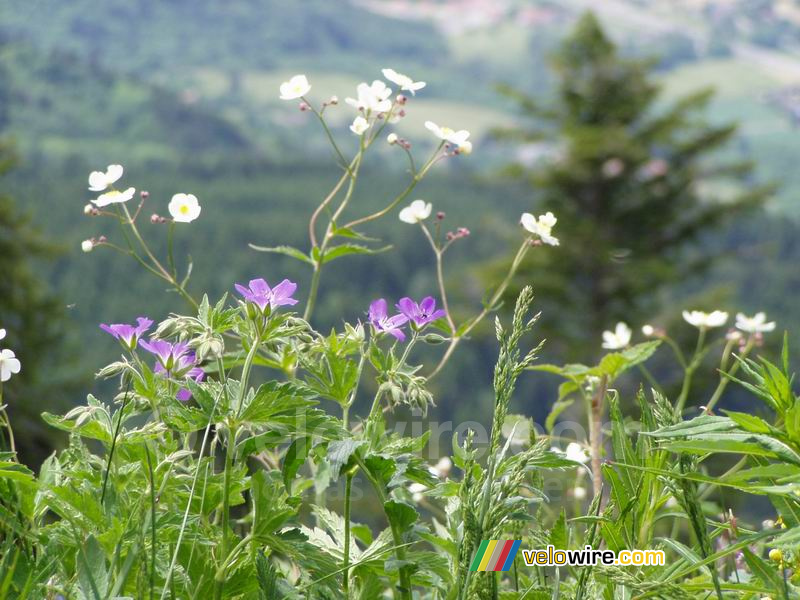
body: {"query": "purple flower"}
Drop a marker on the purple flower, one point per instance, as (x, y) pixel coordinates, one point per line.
(184, 367)
(420, 314)
(128, 334)
(383, 323)
(169, 355)
(260, 294)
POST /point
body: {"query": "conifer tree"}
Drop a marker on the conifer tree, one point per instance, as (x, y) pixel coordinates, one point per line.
(633, 181)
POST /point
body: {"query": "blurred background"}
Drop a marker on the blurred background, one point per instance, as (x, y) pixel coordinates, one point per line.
(663, 134)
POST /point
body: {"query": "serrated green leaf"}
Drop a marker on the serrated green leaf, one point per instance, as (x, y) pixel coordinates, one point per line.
(346, 249)
(286, 251)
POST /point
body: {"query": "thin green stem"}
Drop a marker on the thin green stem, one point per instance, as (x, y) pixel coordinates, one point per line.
(438, 253)
(689, 372)
(397, 535)
(7, 424)
(114, 442)
(346, 559)
(488, 307)
(233, 427)
(153, 539)
(724, 380)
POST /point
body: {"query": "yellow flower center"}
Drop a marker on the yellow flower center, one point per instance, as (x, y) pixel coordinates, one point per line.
(184, 209)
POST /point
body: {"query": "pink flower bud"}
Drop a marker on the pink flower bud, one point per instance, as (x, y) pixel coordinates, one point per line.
(102, 239)
(440, 215)
(304, 106)
(144, 194)
(401, 99)
(154, 218)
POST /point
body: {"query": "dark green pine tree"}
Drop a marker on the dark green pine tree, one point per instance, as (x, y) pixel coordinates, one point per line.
(633, 181)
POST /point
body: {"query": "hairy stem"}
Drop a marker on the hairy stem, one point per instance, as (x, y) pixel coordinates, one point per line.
(596, 434)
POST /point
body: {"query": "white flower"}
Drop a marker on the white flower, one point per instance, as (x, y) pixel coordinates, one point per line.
(542, 227)
(576, 453)
(295, 88)
(579, 493)
(701, 319)
(416, 490)
(755, 324)
(404, 81)
(2, 334)
(184, 208)
(99, 181)
(417, 211)
(442, 468)
(87, 245)
(617, 339)
(9, 365)
(374, 98)
(391, 138)
(114, 197)
(648, 330)
(359, 126)
(457, 138)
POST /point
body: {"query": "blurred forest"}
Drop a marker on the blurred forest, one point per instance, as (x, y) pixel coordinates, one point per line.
(184, 95)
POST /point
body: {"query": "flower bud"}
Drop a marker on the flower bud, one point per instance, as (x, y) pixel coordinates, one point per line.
(334, 100)
(304, 106)
(775, 555)
(391, 138)
(144, 194)
(154, 219)
(401, 99)
(465, 148)
(648, 330)
(87, 245)
(401, 113)
(450, 236)
(462, 232)
(89, 209)
(440, 215)
(102, 239)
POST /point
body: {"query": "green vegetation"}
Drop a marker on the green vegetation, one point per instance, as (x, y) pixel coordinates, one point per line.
(633, 188)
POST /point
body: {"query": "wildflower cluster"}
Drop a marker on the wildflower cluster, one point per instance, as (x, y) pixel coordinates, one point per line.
(218, 468)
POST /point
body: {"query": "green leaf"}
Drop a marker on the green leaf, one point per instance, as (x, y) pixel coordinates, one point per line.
(400, 514)
(558, 533)
(615, 363)
(698, 425)
(92, 573)
(286, 251)
(558, 407)
(294, 459)
(17, 472)
(347, 232)
(345, 249)
(765, 572)
(750, 423)
(339, 453)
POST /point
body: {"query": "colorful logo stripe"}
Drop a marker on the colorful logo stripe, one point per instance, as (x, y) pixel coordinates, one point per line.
(495, 555)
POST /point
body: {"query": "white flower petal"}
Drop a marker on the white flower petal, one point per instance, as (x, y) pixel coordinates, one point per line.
(184, 208)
